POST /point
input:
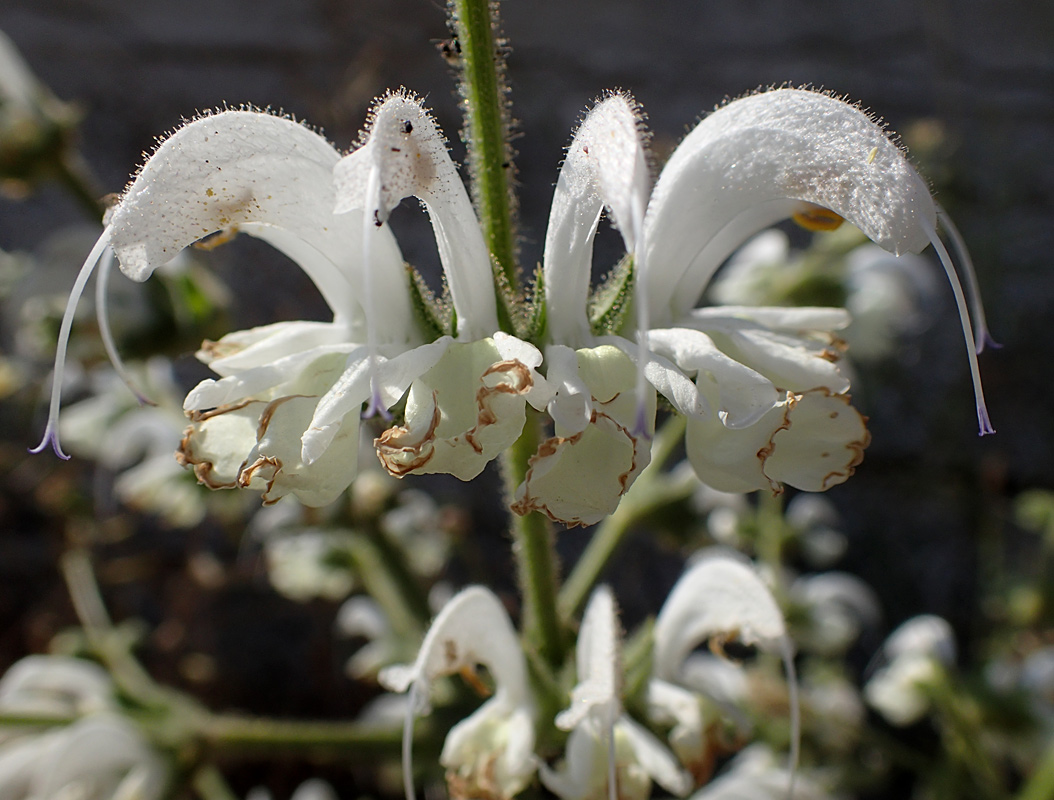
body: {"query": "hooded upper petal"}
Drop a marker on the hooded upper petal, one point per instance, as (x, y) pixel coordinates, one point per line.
(718, 597)
(756, 161)
(491, 750)
(270, 177)
(405, 155)
(605, 167)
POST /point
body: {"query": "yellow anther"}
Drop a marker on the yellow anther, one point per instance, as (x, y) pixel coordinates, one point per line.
(817, 218)
(871, 155)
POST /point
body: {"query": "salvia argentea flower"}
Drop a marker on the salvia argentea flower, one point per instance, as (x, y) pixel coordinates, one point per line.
(490, 753)
(280, 416)
(765, 399)
(719, 599)
(609, 755)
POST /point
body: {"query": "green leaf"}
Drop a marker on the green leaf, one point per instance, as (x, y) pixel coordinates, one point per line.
(434, 315)
(612, 299)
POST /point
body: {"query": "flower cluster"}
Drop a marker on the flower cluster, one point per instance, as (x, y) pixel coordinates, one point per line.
(766, 402)
(608, 753)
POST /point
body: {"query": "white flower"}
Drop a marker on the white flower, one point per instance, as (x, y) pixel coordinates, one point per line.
(755, 774)
(918, 653)
(766, 402)
(97, 757)
(283, 417)
(609, 755)
(719, 599)
(837, 606)
(490, 753)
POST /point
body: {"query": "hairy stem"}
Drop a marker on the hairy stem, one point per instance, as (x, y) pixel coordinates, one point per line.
(536, 562)
(484, 94)
(652, 490)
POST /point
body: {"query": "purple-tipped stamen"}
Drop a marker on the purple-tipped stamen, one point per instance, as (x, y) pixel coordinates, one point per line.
(983, 421)
(51, 432)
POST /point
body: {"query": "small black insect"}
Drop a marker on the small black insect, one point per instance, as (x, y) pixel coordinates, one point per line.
(408, 127)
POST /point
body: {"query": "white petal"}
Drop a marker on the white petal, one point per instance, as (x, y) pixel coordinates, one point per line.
(752, 163)
(599, 663)
(797, 362)
(276, 460)
(405, 155)
(246, 167)
(392, 376)
(719, 596)
(668, 379)
(98, 751)
(656, 760)
(571, 408)
(462, 413)
(473, 628)
(926, 634)
(55, 684)
(241, 350)
(605, 166)
(578, 479)
(797, 320)
(305, 367)
(745, 395)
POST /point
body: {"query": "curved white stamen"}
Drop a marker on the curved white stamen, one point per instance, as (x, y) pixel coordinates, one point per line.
(408, 742)
(373, 217)
(983, 421)
(51, 432)
(982, 336)
(787, 654)
(102, 283)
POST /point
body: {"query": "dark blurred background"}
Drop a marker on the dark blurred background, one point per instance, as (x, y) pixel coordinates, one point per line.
(969, 83)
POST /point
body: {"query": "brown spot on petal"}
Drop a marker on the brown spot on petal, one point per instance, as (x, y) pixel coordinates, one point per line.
(401, 457)
(247, 473)
(209, 413)
(203, 469)
(549, 449)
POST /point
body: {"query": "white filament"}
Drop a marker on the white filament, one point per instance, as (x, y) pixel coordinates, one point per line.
(51, 432)
(962, 255)
(983, 421)
(371, 220)
(102, 283)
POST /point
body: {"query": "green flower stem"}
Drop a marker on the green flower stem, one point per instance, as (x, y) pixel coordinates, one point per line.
(105, 640)
(484, 92)
(232, 736)
(381, 566)
(533, 549)
(210, 784)
(73, 172)
(652, 490)
(9, 720)
(1040, 786)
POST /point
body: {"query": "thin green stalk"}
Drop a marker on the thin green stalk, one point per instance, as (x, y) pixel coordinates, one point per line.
(382, 567)
(484, 94)
(101, 634)
(533, 549)
(210, 784)
(652, 490)
(231, 736)
(1040, 786)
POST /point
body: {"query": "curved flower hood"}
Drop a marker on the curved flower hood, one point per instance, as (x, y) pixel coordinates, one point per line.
(491, 751)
